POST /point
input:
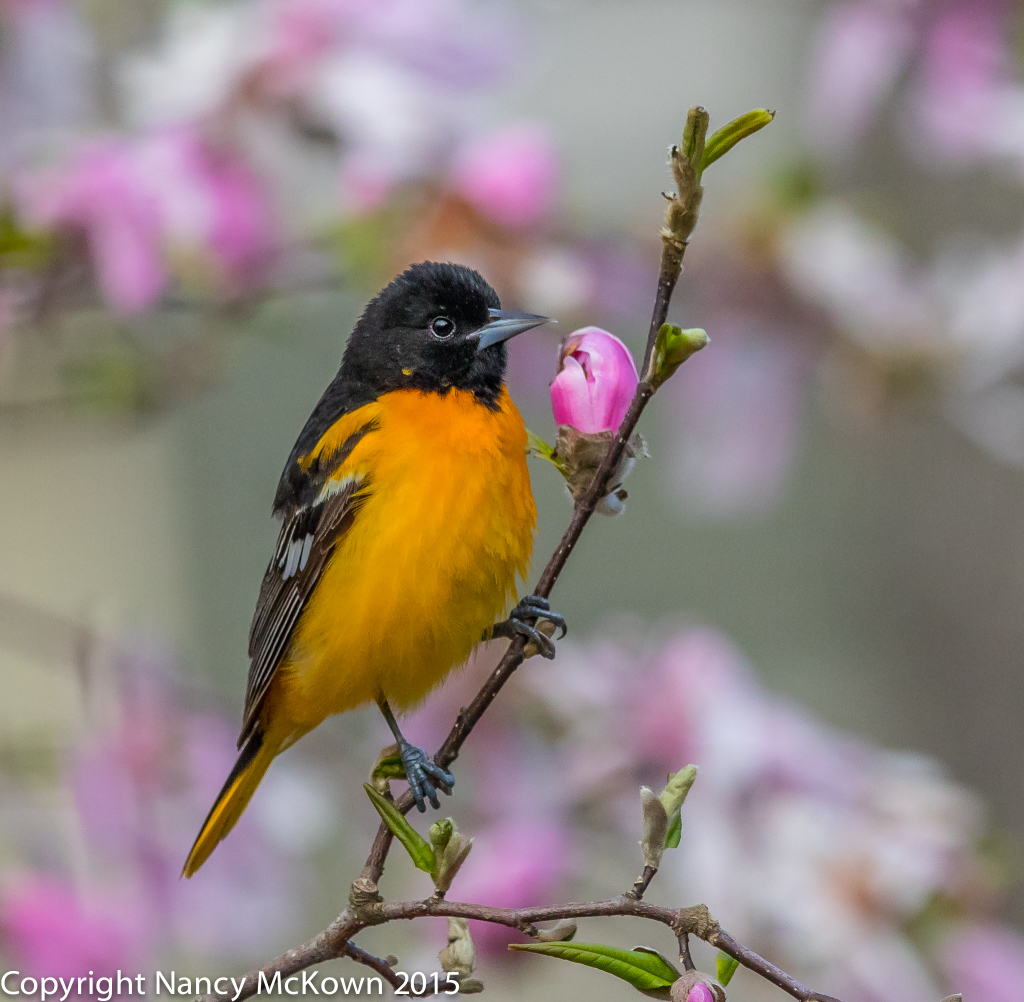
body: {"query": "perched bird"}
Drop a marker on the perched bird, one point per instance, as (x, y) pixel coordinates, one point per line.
(407, 517)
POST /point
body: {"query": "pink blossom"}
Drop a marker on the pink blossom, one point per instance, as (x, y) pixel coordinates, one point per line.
(596, 381)
(700, 993)
(104, 194)
(448, 41)
(690, 673)
(985, 962)
(301, 33)
(782, 800)
(16, 8)
(509, 175)
(237, 227)
(965, 104)
(442, 39)
(141, 788)
(140, 202)
(50, 929)
(860, 50)
(399, 81)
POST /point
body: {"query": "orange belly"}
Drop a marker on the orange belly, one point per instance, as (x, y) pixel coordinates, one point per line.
(429, 564)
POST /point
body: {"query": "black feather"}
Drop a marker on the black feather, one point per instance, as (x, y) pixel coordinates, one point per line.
(391, 348)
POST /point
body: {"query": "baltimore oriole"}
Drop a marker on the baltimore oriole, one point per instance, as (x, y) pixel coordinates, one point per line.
(407, 517)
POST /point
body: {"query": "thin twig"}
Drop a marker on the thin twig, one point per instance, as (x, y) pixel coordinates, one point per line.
(684, 952)
(382, 967)
(640, 885)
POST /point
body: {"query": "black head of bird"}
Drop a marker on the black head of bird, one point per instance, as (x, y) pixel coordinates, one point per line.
(435, 327)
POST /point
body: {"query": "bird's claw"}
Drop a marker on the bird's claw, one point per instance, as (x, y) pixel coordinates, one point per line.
(425, 776)
(533, 607)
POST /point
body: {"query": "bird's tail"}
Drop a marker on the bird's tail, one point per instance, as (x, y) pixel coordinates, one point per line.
(253, 760)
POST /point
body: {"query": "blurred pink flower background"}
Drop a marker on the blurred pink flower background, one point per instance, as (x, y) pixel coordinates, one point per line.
(270, 145)
(140, 780)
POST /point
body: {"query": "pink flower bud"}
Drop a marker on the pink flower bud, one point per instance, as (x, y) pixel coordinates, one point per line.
(695, 986)
(596, 381)
(700, 993)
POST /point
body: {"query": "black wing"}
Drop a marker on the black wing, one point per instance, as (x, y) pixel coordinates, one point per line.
(305, 544)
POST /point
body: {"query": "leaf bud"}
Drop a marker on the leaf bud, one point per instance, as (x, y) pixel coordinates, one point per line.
(459, 956)
(561, 932)
(655, 827)
(673, 346)
(450, 852)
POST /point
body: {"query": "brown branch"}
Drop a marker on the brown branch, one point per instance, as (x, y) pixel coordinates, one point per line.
(334, 942)
(640, 885)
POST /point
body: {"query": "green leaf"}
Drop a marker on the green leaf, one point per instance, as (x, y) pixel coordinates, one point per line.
(675, 831)
(668, 968)
(415, 844)
(672, 797)
(729, 135)
(695, 138)
(536, 446)
(676, 789)
(725, 968)
(646, 970)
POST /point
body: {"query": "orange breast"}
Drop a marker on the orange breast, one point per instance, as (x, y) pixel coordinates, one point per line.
(429, 564)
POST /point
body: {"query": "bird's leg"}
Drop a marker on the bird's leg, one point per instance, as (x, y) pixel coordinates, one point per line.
(531, 607)
(424, 776)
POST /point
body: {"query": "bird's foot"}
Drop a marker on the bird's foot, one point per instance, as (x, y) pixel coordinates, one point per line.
(532, 607)
(425, 776)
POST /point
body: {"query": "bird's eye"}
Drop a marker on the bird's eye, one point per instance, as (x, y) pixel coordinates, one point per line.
(442, 327)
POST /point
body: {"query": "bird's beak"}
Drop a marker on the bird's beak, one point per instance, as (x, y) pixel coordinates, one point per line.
(505, 324)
